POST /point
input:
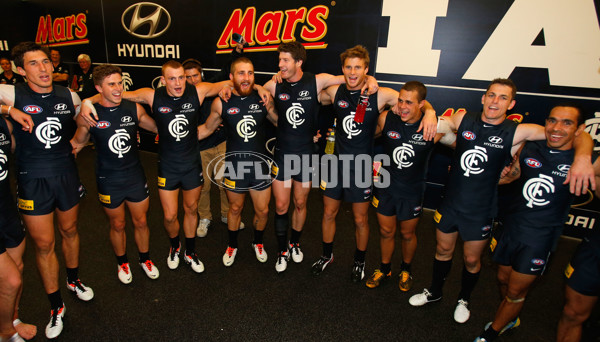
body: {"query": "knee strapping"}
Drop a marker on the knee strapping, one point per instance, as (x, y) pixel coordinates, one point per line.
(281, 224)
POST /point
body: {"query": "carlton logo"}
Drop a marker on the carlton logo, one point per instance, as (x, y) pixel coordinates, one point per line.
(103, 124)
(233, 110)
(284, 97)
(70, 30)
(164, 110)
(469, 135)
(534, 163)
(393, 135)
(274, 27)
(343, 104)
(32, 109)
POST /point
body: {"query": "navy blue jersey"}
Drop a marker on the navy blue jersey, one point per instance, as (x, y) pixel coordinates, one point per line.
(6, 198)
(177, 122)
(297, 107)
(409, 155)
(16, 78)
(61, 68)
(46, 151)
(351, 137)
(115, 138)
(482, 151)
(218, 136)
(244, 118)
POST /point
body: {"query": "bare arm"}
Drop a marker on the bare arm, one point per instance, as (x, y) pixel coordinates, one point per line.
(327, 80)
(444, 134)
(82, 135)
(59, 77)
(272, 113)
(270, 87)
(145, 121)
(381, 122)
(597, 174)
(76, 103)
(213, 121)
(327, 95)
(207, 89)
(513, 171)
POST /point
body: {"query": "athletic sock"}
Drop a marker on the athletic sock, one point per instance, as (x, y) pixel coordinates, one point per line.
(233, 238)
(122, 259)
(55, 300)
(72, 274)
(386, 268)
(295, 238)
(144, 256)
(359, 255)
(489, 334)
(469, 280)
(258, 237)
(281, 227)
(440, 272)
(190, 246)
(174, 242)
(327, 249)
(405, 267)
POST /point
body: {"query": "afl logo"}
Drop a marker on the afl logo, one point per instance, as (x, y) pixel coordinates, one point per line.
(367, 191)
(103, 124)
(469, 135)
(60, 106)
(534, 163)
(165, 110)
(284, 97)
(563, 168)
(393, 135)
(254, 106)
(186, 106)
(154, 24)
(343, 104)
(417, 137)
(32, 109)
(126, 119)
(233, 110)
(538, 262)
(495, 140)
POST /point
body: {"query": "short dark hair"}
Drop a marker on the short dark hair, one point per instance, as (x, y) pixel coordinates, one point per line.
(294, 48)
(103, 71)
(580, 111)
(505, 82)
(238, 61)
(191, 63)
(358, 51)
(418, 87)
(19, 51)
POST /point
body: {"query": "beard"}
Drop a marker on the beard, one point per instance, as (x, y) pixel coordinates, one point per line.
(242, 92)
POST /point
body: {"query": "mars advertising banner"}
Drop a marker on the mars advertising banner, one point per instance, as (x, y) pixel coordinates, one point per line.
(550, 48)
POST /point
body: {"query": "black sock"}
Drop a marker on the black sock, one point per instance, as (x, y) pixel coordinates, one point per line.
(327, 249)
(258, 237)
(295, 238)
(233, 238)
(440, 272)
(72, 274)
(55, 300)
(122, 259)
(490, 334)
(174, 242)
(359, 255)
(405, 267)
(144, 256)
(469, 280)
(281, 228)
(190, 246)
(386, 268)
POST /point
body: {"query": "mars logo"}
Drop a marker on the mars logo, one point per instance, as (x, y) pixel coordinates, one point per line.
(3, 168)
(535, 188)
(118, 143)
(70, 30)
(538, 262)
(393, 135)
(470, 160)
(469, 135)
(534, 163)
(272, 28)
(343, 104)
(349, 126)
(178, 127)
(103, 124)
(294, 115)
(592, 126)
(284, 97)
(403, 153)
(164, 110)
(48, 132)
(233, 110)
(60, 106)
(244, 127)
(32, 109)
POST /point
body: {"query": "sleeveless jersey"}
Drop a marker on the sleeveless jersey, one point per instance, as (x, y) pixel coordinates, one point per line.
(297, 107)
(177, 121)
(46, 151)
(351, 137)
(115, 138)
(6, 198)
(409, 155)
(482, 151)
(244, 118)
(14, 80)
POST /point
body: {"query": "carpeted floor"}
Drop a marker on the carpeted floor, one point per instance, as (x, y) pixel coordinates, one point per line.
(250, 301)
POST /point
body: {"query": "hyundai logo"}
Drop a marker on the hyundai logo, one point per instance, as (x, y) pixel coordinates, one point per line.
(155, 22)
(417, 137)
(126, 119)
(254, 106)
(303, 93)
(495, 140)
(563, 168)
(60, 106)
(186, 106)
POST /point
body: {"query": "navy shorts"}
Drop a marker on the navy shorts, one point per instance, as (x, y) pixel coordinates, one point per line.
(341, 182)
(113, 191)
(240, 176)
(523, 258)
(40, 196)
(11, 229)
(297, 166)
(470, 228)
(403, 208)
(187, 180)
(583, 272)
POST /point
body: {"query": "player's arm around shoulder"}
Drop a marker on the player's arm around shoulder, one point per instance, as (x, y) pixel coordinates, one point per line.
(386, 97)
(145, 121)
(213, 121)
(327, 95)
(512, 172)
(142, 95)
(381, 122)
(272, 115)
